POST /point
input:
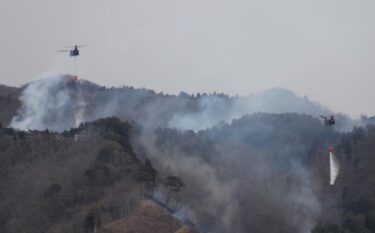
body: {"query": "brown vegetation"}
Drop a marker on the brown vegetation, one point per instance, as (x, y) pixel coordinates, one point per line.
(148, 217)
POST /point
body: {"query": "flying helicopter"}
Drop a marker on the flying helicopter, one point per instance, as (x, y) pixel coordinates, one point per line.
(329, 120)
(73, 50)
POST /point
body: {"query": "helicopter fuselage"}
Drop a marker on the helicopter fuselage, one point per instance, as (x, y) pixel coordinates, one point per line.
(328, 121)
(74, 52)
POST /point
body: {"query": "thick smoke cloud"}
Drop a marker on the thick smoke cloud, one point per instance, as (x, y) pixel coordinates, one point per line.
(54, 103)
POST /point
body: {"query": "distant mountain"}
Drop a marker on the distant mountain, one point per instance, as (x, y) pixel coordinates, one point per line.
(281, 100)
(59, 103)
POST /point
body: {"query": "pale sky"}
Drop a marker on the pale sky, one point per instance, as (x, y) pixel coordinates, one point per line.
(324, 49)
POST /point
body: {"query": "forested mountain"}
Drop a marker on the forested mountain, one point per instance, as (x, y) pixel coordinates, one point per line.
(89, 158)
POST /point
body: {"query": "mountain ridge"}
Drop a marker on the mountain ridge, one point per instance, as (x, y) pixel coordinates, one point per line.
(83, 101)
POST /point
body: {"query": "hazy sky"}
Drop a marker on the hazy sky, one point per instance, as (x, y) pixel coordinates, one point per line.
(324, 49)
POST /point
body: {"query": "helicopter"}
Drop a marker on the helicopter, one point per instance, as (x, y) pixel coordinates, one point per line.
(73, 50)
(329, 120)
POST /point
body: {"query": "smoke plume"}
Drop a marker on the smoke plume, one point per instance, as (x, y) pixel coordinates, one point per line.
(54, 103)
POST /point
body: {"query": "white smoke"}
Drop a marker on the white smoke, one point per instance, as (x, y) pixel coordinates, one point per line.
(214, 109)
(333, 168)
(53, 103)
(219, 196)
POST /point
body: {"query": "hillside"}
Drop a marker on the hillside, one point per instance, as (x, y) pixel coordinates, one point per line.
(70, 180)
(257, 170)
(62, 182)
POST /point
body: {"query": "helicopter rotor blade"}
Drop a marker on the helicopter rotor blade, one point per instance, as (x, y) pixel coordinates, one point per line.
(63, 50)
(72, 47)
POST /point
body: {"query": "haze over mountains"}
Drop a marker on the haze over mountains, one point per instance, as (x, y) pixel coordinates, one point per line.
(225, 164)
(59, 103)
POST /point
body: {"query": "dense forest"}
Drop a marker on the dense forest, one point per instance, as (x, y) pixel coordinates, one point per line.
(91, 156)
(64, 182)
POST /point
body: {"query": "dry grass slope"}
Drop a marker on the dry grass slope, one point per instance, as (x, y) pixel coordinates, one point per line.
(149, 217)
